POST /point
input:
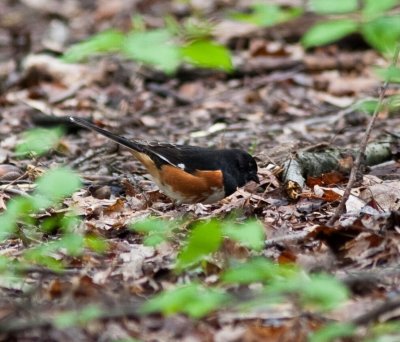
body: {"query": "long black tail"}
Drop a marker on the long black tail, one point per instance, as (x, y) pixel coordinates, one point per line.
(120, 140)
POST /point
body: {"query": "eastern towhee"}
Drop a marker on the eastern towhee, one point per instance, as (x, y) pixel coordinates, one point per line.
(189, 174)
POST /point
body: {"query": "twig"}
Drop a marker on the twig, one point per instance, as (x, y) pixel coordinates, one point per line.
(87, 156)
(376, 312)
(166, 92)
(363, 146)
(14, 325)
(16, 192)
(286, 238)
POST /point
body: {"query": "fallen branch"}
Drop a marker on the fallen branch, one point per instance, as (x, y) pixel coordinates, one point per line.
(314, 164)
(15, 325)
(294, 237)
(375, 313)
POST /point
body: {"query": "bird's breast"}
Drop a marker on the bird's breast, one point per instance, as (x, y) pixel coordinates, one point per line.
(199, 187)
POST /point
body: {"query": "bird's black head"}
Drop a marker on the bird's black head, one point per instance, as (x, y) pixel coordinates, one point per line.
(241, 169)
(247, 167)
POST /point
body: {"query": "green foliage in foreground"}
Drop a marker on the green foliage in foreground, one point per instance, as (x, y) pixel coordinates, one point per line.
(205, 238)
(320, 291)
(373, 21)
(333, 331)
(278, 283)
(28, 218)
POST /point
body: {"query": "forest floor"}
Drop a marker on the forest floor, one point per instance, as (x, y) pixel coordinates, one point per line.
(280, 100)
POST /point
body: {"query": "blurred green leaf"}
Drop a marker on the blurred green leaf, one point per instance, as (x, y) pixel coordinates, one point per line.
(194, 300)
(383, 34)
(332, 332)
(324, 291)
(391, 74)
(367, 106)
(374, 7)
(39, 141)
(51, 224)
(267, 15)
(69, 222)
(258, 270)
(154, 47)
(58, 183)
(381, 330)
(74, 317)
(391, 103)
(208, 54)
(331, 7)
(72, 243)
(96, 243)
(7, 226)
(328, 32)
(157, 230)
(107, 41)
(41, 255)
(250, 234)
(18, 208)
(204, 239)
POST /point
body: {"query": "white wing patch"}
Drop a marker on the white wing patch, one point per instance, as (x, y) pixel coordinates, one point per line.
(163, 158)
(181, 166)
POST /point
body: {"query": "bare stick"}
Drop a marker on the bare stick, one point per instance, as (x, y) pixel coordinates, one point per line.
(363, 146)
(373, 315)
(294, 237)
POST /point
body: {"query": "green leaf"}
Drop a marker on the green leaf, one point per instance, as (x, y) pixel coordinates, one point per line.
(374, 7)
(8, 226)
(328, 32)
(20, 206)
(267, 15)
(39, 141)
(157, 230)
(17, 208)
(107, 41)
(383, 34)
(393, 103)
(194, 300)
(58, 183)
(73, 243)
(332, 332)
(207, 54)
(73, 318)
(331, 7)
(250, 234)
(204, 240)
(324, 291)
(391, 74)
(40, 255)
(258, 270)
(367, 106)
(96, 243)
(384, 328)
(153, 47)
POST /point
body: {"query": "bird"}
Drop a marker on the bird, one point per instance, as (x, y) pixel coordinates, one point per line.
(188, 174)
